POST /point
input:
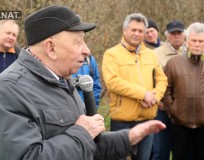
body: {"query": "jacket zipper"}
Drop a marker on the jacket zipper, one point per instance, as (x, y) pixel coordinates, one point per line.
(195, 73)
(4, 60)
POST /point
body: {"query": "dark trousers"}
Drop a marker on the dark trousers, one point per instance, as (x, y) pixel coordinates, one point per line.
(184, 138)
(144, 146)
(162, 141)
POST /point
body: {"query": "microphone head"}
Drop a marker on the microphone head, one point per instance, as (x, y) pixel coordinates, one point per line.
(86, 83)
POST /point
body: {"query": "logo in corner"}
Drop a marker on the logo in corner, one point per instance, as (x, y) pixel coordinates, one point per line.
(14, 15)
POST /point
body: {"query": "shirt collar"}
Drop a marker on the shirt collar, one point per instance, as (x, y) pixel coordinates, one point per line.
(11, 50)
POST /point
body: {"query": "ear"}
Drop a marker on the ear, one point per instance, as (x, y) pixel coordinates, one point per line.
(50, 49)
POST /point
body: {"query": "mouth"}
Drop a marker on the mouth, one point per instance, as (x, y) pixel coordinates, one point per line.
(9, 41)
(80, 61)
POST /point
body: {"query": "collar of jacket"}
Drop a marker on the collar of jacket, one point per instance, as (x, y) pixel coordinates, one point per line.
(182, 49)
(11, 50)
(139, 49)
(38, 68)
(154, 44)
(195, 58)
(35, 66)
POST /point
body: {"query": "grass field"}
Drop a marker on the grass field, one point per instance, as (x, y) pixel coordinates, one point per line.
(104, 111)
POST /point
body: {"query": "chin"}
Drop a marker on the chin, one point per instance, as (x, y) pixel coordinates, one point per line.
(9, 46)
(75, 70)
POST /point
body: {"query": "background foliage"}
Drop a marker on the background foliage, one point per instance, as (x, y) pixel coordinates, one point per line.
(110, 14)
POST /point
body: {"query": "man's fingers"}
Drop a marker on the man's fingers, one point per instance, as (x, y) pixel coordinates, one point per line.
(154, 92)
(93, 124)
(98, 117)
(156, 126)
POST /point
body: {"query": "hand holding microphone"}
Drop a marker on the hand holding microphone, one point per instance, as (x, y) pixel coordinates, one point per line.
(93, 124)
(86, 85)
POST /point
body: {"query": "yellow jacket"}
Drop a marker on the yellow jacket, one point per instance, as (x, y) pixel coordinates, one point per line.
(127, 77)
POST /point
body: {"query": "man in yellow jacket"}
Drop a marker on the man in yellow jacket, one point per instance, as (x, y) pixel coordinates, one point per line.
(135, 81)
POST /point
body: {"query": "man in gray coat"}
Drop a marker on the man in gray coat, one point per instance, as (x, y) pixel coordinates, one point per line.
(43, 119)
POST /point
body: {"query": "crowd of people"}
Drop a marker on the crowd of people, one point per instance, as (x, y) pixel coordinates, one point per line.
(154, 89)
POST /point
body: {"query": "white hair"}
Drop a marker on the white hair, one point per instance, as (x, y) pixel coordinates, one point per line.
(196, 27)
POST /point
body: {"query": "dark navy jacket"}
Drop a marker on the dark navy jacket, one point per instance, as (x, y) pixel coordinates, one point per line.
(7, 58)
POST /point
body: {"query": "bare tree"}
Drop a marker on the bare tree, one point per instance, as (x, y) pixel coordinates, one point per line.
(110, 14)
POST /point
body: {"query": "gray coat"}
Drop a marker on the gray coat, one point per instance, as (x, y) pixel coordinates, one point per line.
(38, 118)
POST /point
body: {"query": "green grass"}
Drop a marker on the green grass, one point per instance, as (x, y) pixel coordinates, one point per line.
(104, 111)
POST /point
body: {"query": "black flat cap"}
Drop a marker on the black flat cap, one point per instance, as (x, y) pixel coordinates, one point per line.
(152, 24)
(175, 26)
(51, 20)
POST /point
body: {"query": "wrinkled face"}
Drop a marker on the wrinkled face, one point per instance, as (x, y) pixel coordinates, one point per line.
(195, 43)
(8, 35)
(134, 33)
(176, 39)
(71, 51)
(151, 35)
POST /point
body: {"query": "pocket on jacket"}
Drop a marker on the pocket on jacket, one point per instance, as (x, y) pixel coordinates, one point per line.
(126, 70)
(57, 121)
(147, 61)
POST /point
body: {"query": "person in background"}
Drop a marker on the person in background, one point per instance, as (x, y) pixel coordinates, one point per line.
(183, 100)
(9, 51)
(151, 38)
(175, 45)
(90, 67)
(42, 118)
(152, 41)
(128, 71)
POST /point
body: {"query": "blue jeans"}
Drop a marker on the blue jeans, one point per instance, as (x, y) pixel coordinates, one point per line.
(143, 147)
(163, 140)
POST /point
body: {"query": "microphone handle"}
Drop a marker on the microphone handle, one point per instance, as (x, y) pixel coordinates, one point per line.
(89, 103)
(91, 108)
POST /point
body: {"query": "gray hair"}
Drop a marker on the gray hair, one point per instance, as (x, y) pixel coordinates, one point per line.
(196, 27)
(135, 17)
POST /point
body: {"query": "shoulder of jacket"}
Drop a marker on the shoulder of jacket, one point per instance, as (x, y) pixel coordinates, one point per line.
(13, 74)
(17, 50)
(148, 51)
(164, 46)
(176, 59)
(164, 49)
(116, 50)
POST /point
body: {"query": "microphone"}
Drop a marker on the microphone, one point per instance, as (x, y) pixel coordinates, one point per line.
(86, 85)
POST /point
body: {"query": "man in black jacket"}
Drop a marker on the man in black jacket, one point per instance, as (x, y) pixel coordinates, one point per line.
(42, 119)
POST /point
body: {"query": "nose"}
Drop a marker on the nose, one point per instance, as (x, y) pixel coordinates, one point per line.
(137, 33)
(197, 43)
(85, 50)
